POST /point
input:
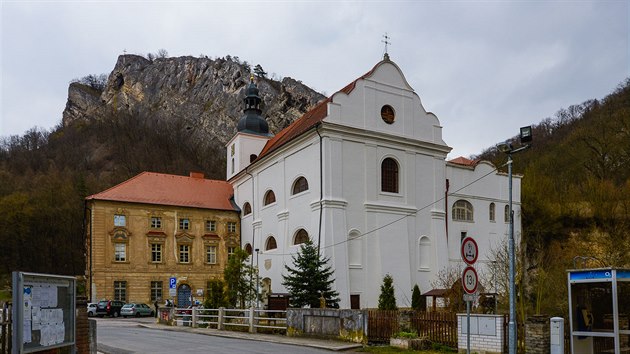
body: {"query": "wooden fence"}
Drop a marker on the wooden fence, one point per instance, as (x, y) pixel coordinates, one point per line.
(438, 327)
(382, 324)
(5, 328)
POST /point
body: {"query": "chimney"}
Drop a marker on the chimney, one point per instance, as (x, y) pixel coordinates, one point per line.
(198, 175)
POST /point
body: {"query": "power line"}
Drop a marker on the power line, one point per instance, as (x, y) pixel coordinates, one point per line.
(402, 217)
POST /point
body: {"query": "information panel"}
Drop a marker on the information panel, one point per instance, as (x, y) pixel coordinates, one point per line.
(43, 312)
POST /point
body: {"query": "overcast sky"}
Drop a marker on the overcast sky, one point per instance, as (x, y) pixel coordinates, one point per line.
(485, 68)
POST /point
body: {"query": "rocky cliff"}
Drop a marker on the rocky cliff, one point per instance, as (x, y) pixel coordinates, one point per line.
(203, 95)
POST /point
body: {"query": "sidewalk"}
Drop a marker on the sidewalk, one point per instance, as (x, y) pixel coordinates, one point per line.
(332, 345)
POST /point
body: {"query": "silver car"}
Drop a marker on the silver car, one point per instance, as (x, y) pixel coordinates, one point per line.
(136, 310)
(91, 309)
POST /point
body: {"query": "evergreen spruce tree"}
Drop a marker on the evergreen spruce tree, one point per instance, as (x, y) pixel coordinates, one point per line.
(418, 302)
(238, 277)
(387, 299)
(310, 279)
(215, 296)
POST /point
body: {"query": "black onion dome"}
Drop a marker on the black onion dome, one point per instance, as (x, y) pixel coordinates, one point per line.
(252, 122)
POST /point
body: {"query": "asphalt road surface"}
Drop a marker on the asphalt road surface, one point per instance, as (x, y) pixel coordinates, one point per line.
(123, 336)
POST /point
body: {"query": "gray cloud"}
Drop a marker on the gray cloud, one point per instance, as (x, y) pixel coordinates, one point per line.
(485, 68)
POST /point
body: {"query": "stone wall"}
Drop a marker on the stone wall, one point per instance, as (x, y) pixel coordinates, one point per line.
(348, 325)
(537, 334)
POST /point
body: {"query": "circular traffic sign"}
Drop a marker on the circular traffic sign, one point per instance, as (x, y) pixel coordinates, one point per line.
(469, 280)
(469, 250)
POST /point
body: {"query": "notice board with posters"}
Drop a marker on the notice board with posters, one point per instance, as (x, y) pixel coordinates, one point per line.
(44, 315)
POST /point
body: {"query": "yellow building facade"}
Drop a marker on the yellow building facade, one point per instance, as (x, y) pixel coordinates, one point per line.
(155, 227)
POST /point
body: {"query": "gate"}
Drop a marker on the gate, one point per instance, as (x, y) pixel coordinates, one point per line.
(382, 324)
(5, 328)
(184, 294)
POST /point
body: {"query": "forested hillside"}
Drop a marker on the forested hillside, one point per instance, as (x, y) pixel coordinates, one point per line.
(169, 115)
(575, 195)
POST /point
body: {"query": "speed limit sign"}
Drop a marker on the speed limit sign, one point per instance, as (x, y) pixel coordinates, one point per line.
(470, 280)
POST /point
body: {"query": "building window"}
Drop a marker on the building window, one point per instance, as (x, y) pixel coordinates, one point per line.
(389, 175)
(211, 254)
(184, 224)
(506, 213)
(120, 252)
(184, 253)
(232, 150)
(252, 157)
(463, 235)
(120, 220)
(120, 290)
(156, 222)
(231, 226)
(211, 225)
(232, 171)
(462, 211)
(230, 251)
(156, 252)
(270, 198)
(300, 237)
(248, 249)
(270, 244)
(156, 291)
(247, 209)
(491, 211)
(300, 185)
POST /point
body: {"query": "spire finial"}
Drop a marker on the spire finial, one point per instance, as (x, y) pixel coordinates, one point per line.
(251, 77)
(385, 40)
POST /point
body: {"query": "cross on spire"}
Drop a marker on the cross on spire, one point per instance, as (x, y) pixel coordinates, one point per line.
(385, 40)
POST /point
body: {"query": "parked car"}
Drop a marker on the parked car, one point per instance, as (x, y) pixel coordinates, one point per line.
(137, 310)
(109, 308)
(91, 309)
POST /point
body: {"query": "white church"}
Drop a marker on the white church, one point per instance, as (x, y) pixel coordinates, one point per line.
(364, 175)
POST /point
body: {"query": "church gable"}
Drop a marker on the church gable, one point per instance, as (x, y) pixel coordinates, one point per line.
(382, 101)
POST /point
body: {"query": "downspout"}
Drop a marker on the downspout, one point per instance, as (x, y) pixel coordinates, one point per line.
(253, 218)
(446, 208)
(321, 189)
(85, 208)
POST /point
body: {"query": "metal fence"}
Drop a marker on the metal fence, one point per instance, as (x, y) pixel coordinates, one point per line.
(252, 319)
(6, 328)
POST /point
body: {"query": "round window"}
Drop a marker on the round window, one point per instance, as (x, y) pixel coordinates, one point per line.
(387, 113)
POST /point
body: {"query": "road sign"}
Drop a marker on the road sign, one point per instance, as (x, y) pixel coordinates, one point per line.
(469, 250)
(172, 283)
(471, 297)
(469, 280)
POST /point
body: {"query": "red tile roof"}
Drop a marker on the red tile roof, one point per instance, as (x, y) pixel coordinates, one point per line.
(309, 119)
(464, 161)
(163, 189)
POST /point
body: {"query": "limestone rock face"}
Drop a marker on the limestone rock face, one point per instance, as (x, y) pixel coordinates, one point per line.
(206, 95)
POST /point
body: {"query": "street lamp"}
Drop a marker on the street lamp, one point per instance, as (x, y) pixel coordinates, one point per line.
(507, 148)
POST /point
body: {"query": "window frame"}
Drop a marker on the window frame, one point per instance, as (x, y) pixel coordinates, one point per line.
(211, 225)
(300, 185)
(208, 254)
(120, 290)
(297, 234)
(463, 211)
(268, 241)
(155, 222)
(158, 253)
(231, 226)
(157, 289)
(184, 223)
(122, 259)
(187, 253)
(268, 196)
(390, 176)
(120, 220)
(506, 214)
(492, 212)
(247, 209)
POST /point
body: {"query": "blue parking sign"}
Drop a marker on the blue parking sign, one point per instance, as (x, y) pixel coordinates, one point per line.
(173, 282)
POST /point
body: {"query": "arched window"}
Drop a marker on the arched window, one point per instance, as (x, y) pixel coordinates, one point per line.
(462, 211)
(270, 198)
(300, 237)
(247, 208)
(271, 244)
(248, 249)
(252, 157)
(424, 253)
(300, 185)
(389, 175)
(491, 211)
(506, 213)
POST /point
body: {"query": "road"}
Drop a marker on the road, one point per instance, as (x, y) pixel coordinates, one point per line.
(124, 336)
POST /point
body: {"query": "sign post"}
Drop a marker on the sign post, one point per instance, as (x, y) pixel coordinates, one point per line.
(172, 287)
(469, 253)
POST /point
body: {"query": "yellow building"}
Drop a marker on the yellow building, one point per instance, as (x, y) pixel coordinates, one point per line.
(154, 227)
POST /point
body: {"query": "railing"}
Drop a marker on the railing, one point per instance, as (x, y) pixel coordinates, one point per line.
(439, 327)
(5, 324)
(227, 319)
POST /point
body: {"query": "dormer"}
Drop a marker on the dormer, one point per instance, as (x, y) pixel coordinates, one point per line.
(251, 136)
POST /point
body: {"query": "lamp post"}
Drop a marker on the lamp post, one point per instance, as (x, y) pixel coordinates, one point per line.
(506, 147)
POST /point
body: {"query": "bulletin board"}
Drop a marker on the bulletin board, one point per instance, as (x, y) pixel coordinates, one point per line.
(44, 315)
